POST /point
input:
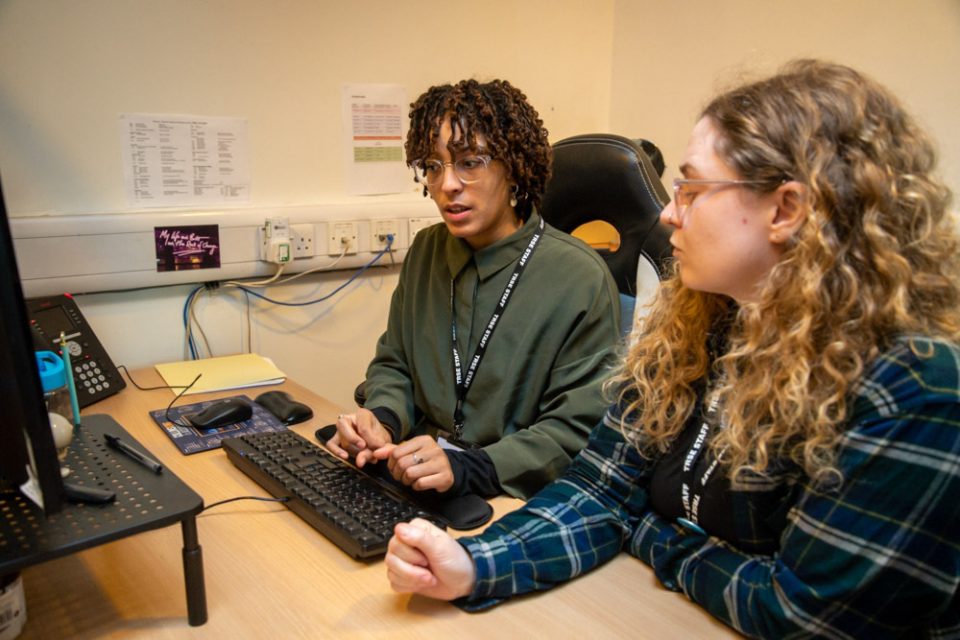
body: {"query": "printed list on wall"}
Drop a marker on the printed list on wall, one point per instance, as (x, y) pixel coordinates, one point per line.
(184, 160)
(374, 115)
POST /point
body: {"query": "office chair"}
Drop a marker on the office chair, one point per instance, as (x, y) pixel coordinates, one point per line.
(615, 180)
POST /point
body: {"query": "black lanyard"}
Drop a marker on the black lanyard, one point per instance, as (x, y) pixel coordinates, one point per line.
(463, 383)
(691, 487)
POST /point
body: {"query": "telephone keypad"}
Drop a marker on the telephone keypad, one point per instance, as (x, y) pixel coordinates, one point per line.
(90, 377)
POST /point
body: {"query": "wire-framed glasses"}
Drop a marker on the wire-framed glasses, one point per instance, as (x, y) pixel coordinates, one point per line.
(467, 169)
(685, 191)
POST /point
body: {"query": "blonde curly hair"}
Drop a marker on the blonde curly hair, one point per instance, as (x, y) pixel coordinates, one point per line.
(875, 258)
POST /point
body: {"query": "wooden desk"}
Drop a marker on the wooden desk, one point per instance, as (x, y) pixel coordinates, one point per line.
(270, 575)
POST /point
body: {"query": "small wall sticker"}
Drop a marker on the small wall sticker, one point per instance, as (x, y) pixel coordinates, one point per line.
(184, 248)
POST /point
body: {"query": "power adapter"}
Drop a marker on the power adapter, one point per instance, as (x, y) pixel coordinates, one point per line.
(275, 241)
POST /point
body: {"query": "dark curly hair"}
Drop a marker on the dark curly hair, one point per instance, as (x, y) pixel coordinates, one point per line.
(498, 111)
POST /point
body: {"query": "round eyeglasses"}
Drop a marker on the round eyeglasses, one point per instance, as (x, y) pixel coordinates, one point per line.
(467, 169)
(685, 191)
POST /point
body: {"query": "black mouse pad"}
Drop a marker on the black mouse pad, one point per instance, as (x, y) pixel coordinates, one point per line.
(461, 512)
(189, 439)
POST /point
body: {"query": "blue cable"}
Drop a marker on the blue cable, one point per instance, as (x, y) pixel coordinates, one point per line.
(190, 296)
(359, 272)
(186, 307)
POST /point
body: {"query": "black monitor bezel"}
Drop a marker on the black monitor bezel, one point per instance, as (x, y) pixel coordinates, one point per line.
(25, 435)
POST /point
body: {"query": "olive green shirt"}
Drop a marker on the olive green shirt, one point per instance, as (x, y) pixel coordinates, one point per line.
(537, 392)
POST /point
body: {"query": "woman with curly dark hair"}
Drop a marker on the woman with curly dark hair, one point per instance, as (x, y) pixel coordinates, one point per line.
(501, 329)
(784, 447)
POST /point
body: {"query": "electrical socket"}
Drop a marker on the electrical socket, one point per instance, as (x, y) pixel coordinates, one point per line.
(302, 239)
(416, 224)
(342, 234)
(379, 230)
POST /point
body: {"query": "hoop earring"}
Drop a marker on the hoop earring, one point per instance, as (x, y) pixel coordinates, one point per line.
(513, 196)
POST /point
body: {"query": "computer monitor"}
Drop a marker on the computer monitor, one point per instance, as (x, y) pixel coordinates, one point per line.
(25, 435)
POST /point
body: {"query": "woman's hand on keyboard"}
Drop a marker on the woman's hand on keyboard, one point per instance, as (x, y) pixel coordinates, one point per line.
(358, 436)
(424, 559)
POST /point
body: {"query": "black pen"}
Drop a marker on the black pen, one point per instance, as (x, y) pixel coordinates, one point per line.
(142, 458)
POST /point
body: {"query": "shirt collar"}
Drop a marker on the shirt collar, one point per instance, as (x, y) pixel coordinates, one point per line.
(492, 259)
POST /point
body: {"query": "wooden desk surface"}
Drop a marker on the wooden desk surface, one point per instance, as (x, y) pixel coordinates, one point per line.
(268, 574)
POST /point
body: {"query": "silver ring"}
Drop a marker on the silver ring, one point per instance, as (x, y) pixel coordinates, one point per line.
(416, 459)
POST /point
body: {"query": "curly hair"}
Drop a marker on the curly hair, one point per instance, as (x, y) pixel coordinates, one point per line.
(498, 111)
(875, 258)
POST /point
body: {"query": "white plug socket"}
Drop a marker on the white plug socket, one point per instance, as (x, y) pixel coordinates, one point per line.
(342, 237)
(380, 229)
(416, 224)
(302, 238)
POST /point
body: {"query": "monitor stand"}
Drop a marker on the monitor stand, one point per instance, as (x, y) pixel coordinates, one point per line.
(144, 501)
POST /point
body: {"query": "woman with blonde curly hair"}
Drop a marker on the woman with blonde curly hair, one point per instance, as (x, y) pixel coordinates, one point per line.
(785, 443)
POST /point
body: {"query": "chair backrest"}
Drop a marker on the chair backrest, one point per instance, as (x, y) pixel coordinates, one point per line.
(613, 179)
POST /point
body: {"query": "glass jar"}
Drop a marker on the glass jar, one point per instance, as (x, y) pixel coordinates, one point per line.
(53, 379)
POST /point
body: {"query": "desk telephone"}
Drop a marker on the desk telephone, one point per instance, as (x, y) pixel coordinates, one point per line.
(94, 374)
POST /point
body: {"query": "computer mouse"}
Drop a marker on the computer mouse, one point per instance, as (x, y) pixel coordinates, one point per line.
(285, 408)
(221, 413)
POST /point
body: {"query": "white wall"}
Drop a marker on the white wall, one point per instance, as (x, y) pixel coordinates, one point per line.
(670, 58)
(70, 68)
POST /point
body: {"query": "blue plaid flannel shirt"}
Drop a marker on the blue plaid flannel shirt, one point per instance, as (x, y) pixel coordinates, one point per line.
(877, 557)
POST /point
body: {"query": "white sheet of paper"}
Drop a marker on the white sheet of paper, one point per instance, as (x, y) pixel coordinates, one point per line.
(184, 160)
(375, 122)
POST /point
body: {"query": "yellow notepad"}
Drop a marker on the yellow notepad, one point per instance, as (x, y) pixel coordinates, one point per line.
(218, 374)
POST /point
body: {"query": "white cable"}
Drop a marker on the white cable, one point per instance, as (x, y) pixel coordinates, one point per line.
(192, 319)
(315, 269)
(246, 297)
(192, 315)
(260, 283)
(273, 280)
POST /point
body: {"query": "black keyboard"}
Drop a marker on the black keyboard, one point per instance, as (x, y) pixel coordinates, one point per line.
(354, 510)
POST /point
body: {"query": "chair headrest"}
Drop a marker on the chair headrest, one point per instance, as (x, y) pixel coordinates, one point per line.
(611, 178)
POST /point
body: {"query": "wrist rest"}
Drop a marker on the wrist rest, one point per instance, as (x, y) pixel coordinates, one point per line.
(284, 407)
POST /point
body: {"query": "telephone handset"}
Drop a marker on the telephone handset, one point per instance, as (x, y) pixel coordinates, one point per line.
(94, 374)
